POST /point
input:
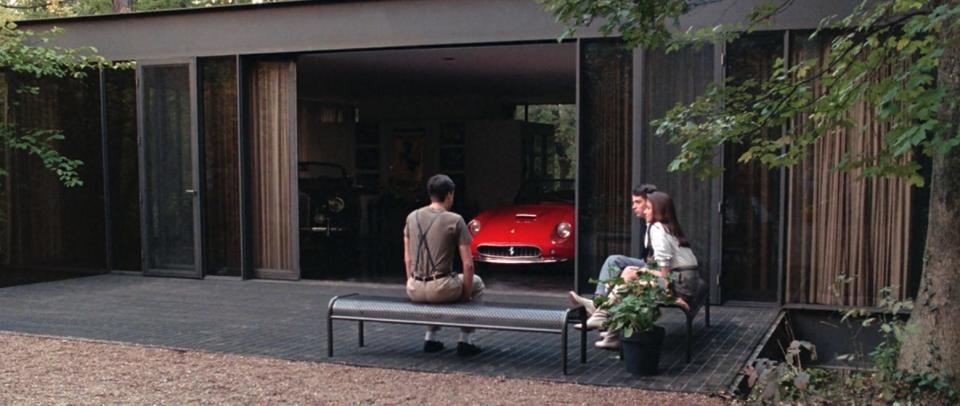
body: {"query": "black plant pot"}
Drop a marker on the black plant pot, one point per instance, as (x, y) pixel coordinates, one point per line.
(641, 351)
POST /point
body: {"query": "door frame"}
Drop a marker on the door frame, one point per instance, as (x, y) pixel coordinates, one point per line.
(196, 175)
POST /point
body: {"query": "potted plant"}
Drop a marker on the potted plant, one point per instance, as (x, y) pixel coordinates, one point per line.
(634, 309)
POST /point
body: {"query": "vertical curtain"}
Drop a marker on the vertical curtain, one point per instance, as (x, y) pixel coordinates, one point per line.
(52, 226)
(221, 164)
(841, 224)
(605, 150)
(35, 184)
(270, 172)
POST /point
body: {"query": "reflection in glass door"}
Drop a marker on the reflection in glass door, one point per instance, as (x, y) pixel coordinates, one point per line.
(751, 192)
(169, 175)
(670, 78)
(605, 134)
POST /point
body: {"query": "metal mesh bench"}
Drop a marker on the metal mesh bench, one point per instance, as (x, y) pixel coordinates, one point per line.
(701, 301)
(490, 316)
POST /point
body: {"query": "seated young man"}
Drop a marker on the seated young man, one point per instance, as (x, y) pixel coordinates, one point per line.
(431, 239)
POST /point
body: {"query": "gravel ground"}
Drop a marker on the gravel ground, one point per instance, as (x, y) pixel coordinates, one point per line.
(57, 371)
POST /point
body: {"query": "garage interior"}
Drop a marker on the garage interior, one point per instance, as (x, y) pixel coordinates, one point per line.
(373, 126)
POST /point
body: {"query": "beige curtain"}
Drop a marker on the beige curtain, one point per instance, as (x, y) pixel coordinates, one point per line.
(270, 170)
(839, 224)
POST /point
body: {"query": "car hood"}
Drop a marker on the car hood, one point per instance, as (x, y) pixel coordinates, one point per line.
(531, 218)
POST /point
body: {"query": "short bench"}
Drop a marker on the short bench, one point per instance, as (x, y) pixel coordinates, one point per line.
(489, 316)
(702, 301)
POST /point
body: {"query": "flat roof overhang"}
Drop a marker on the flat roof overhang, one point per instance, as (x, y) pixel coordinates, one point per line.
(311, 26)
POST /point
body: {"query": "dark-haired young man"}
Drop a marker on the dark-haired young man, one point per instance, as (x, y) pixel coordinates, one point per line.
(639, 201)
(597, 317)
(432, 237)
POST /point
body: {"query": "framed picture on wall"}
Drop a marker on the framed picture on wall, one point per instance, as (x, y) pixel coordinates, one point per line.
(405, 174)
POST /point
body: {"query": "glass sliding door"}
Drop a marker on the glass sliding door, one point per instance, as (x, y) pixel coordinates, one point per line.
(53, 227)
(604, 140)
(271, 179)
(219, 95)
(670, 78)
(751, 192)
(124, 182)
(169, 171)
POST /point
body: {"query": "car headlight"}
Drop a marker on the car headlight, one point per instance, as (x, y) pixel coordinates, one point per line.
(473, 227)
(564, 230)
(335, 204)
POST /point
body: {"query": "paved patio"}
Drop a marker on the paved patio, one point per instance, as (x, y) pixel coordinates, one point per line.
(286, 320)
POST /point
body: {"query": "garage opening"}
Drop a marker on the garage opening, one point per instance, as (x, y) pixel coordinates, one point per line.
(373, 126)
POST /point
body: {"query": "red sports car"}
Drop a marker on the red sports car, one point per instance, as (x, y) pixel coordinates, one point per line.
(538, 228)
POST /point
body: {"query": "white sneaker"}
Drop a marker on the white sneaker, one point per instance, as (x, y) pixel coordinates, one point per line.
(578, 300)
(611, 341)
(596, 321)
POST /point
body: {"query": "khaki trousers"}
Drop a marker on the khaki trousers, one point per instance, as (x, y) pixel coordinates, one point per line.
(443, 290)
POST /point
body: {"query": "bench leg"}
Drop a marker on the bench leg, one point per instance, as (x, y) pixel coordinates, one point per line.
(563, 347)
(706, 313)
(689, 336)
(360, 332)
(329, 336)
(583, 337)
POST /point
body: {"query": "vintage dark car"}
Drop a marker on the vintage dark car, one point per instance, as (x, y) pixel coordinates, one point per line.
(329, 202)
(538, 228)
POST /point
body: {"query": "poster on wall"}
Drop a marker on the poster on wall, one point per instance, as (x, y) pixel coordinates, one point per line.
(406, 164)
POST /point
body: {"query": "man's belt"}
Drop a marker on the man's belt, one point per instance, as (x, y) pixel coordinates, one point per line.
(430, 278)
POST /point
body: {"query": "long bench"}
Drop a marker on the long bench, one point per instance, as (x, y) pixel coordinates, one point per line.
(490, 316)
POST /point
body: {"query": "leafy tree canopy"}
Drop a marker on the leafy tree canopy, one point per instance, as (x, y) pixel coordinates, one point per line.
(900, 34)
(28, 54)
(65, 8)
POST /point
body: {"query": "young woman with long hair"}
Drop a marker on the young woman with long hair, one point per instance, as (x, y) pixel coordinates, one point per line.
(665, 244)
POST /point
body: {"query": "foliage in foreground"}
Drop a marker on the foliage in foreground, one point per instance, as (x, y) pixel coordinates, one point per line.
(790, 381)
(68, 8)
(28, 54)
(634, 306)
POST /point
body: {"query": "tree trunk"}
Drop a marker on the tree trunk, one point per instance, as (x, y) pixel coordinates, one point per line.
(934, 345)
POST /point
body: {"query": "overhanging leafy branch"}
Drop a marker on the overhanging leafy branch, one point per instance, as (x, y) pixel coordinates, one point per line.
(812, 97)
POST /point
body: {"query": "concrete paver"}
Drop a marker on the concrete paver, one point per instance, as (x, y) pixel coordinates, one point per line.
(287, 320)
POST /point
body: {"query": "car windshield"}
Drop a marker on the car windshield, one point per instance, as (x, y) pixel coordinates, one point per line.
(546, 191)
